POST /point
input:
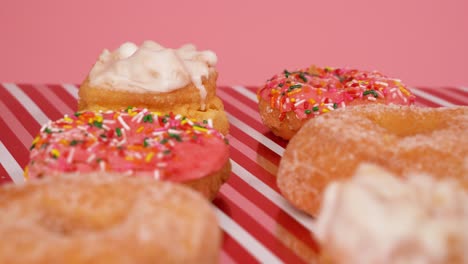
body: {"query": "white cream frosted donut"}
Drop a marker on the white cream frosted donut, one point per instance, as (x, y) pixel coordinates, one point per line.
(165, 80)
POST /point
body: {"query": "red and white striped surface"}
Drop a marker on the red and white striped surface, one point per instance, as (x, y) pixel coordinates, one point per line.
(258, 224)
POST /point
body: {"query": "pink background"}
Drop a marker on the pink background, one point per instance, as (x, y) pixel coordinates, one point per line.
(420, 42)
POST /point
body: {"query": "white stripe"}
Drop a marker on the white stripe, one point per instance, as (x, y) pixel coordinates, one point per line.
(454, 95)
(71, 89)
(465, 89)
(15, 126)
(253, 155)
(27, 103)
(272, 195)
(11, 165)
(245, 239)
(430, 97)
(241, 106)
(246, 92)
(249, 208)
(243, 148)
(256, 135)
(58, 103)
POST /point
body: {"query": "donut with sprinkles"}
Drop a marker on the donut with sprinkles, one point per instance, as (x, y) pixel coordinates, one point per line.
(289, 99)
(135, 142)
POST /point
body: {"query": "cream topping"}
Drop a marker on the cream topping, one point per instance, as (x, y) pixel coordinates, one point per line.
(378, 218)
(152, 68)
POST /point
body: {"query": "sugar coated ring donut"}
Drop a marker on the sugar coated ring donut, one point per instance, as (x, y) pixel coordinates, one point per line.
(401, 139)
(135, 142)
(103, 218)
(289, 99)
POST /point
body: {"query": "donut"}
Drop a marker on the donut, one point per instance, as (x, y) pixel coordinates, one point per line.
(290, 99)
(181, 81)
(379, 217)
(106, 218)
(135, 142)
(401, 139)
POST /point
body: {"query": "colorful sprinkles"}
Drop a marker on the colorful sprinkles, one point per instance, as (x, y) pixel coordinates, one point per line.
(314, 90)
(127, 141)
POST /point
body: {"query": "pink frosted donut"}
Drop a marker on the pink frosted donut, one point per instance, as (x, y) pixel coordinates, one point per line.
(134, 142)
(289, 99)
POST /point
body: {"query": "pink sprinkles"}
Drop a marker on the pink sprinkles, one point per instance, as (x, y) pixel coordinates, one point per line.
(127, 141)
(313, 91)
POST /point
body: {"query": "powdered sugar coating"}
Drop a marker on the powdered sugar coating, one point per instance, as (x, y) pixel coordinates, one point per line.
(375, 217)
(402, 139)
(105, 219)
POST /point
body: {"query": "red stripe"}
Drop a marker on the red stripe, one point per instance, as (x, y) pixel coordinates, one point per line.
(230, 245)
(64, 95)
(252, 123)
(271, 224)
(273, 211)
(258, 231)
(55, 101)
(258, 147)
(4, 177)
(253, 89)
(267, 178)
(232, 94)
(421, 101)
(31, 125)
(254, 168)
(49, 110)
(232, 109)
(236, 94)
(459, 92)
(13, 144)
(240, 255)
(442, 94)
(255, 165)
(259, 199)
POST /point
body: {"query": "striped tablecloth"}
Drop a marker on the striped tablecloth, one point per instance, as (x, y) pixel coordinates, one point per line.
(258, 224)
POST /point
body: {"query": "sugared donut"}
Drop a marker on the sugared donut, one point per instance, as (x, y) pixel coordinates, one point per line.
(376, 217)
(289, 99)
(134, 142)
(401, 139)
(181, 81)
(106, 218)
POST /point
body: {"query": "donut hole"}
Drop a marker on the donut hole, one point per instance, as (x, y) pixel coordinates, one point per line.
(88, 211)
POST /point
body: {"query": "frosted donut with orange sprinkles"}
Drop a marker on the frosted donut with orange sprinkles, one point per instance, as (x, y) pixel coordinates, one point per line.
(136, 142)
(289, 99)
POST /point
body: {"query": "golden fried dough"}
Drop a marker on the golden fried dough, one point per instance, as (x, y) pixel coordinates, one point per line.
(105, 218)
(401, 139)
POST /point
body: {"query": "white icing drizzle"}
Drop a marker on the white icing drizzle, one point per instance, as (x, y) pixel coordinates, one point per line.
(378, 218)
(152, 68)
